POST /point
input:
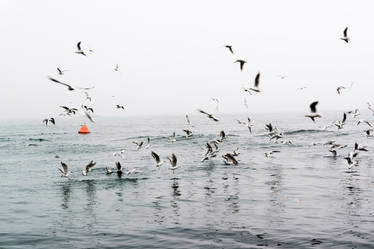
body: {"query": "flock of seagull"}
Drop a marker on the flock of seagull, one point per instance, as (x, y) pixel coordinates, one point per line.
(212, 147)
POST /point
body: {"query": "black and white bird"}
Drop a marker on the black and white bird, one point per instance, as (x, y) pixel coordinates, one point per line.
(155, 156)
(65, 170)
(313, 111)
(120, 107)
(208, 115)
(268, 154)
(230, 48)
(256, 84)
(351, 159)
(172, 138)
(229, 159)
(88, 168)
(241, 63)
(345, 35)
(60, 71)
(173, 162)
(368, 132)
(88, 109)
(340, 124)
(138, 144)
(69, 110)
(108, 171)
(188, 133)
(361, 121)
(51, 120)
(360, 147)
(70, 88)
(79, 49)
(119, 169)
(148, 143)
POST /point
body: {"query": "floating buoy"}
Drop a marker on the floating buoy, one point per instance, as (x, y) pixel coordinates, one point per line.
(84, 130)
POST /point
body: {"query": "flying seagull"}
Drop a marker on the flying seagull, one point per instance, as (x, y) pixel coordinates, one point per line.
(364, 121)
(313, 110)
(88, 168)
(340, 124)
(360, 148)
(60, 71)
(256, 84)
(157, 159)
(51, 120)
(345, 35)
(120, 107)
(70, 88)
(230, 48)
(268, 154)
(173, 162)
(64, 171)
(79, 50)
(241, 62)
(116, 68)
(209, 115)
(188, 133)
(138, 144)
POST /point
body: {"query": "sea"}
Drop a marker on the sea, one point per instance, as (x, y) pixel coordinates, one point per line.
(301, 197)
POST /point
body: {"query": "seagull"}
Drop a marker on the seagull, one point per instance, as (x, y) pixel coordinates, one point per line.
(229, 159)
(88, 168)
(340, 124)
(313, 110)
(350, 159)
(364, 121)
(188, 120)
(172, 138)
(368, 133)
(355, 112)
(119, 153)
(157, 159)
(345, 35)
(88, 97)
(241, 62)
(334, 152)
(139, 144)
(173, 162)
(209, 115)
(88, 108)
(108, 171)
(268, 154)
(79, 50)
(51, 120)
(222, 136)
(133, 171)
(60, 71)
(89, 117)
(230, 48)
(148, 143)
(340, 88)
(120, 107)
(360, 148)
(235, 153)
(257, 82)
(69, 111)
(116, 68)
(119, 169)
(70, 88)
(188, 133)
(64, 171)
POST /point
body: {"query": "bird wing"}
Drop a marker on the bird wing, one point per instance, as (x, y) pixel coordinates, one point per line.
(89, 117)
(222, 134)
(313, 106)
(52, 120)
(344, 117)
(173, 160)
(118, 165)
(203, 112)
(59, 82)
(257, 80)
(231, 158)
(345, 32)
(90, 165)
(79, 45)
(155, 156)
(65, 167)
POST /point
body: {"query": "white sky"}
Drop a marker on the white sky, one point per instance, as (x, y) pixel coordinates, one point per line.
(172, 59)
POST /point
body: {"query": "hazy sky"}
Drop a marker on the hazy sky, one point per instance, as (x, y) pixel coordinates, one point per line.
(172, 59)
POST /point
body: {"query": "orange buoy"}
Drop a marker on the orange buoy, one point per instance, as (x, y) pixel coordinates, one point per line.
(84, 130)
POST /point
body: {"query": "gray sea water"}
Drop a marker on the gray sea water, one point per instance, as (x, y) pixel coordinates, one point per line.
(300, 198)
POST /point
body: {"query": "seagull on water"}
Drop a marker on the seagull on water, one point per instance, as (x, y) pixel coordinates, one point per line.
(268, 154)
(133, 171)
(88, 167)
(64, 171)
(119, 169)
(208, 115)
(345, 35)
(108, 171)
(155, 156)
(229, 159)
(79, 50)
(350, 159)
(313, 110)
(172, 138)
(368, 132)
